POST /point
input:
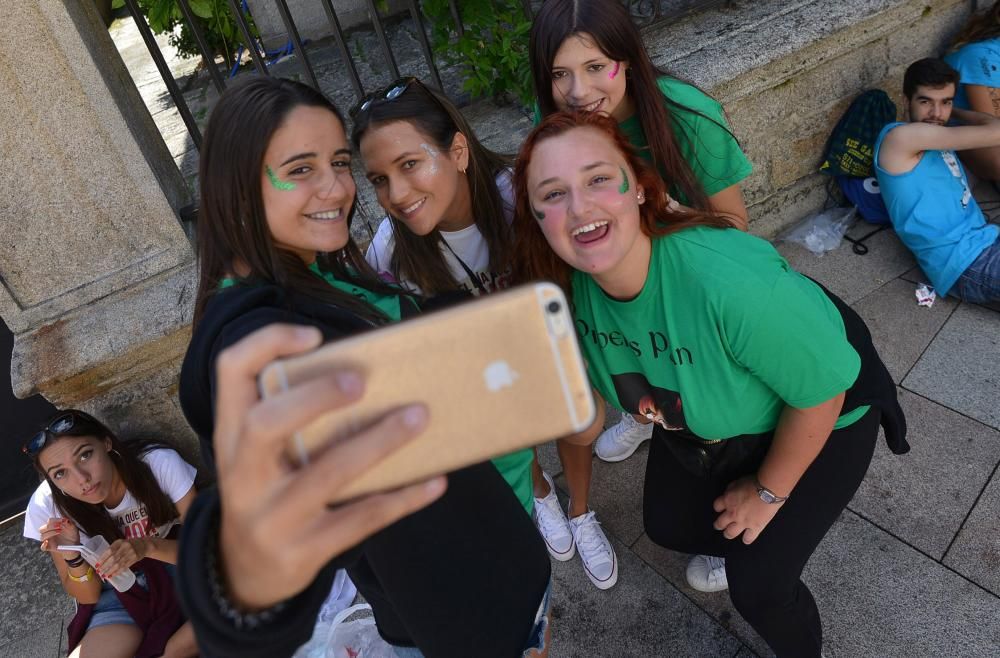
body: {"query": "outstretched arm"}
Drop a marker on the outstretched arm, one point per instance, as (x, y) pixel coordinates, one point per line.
(902, 147)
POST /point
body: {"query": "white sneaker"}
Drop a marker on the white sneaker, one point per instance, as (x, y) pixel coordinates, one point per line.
(552, 524)
(707, 573)
(619, 441)
(599, 559)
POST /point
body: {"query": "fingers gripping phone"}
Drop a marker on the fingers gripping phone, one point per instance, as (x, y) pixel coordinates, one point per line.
(497, 374)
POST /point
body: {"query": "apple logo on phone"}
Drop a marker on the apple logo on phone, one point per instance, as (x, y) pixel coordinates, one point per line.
(499, 375)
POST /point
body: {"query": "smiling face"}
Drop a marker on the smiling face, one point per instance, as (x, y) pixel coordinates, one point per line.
(81, 467)
(584, 195)
(584, 78)
(416, 181)
(306, 183)
(932, 104)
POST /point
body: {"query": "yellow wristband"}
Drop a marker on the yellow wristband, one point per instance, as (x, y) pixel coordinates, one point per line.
(88, 575)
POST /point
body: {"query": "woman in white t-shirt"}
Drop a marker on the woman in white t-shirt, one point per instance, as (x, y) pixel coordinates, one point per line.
(450, 209)
(133, 494)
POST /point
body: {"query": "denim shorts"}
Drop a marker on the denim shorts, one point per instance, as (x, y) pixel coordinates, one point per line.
(536, 643)
(109, 609)
(980, 282)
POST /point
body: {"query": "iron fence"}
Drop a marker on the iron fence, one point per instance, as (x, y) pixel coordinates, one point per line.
(644, 12)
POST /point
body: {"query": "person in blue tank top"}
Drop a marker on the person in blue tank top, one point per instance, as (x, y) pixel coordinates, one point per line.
(975, 54)
(926, 190)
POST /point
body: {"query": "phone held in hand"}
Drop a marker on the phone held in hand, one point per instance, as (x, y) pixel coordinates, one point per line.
(497, 374)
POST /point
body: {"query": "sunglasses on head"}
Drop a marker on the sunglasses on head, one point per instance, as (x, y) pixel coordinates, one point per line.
(61, 424)
(385, 95)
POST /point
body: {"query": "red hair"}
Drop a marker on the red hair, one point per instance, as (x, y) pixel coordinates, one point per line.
(533, 257)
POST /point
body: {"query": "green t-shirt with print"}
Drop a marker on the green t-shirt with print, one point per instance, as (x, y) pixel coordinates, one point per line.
(709, 148)
(515, 468)
(723, 334)
(702, 135)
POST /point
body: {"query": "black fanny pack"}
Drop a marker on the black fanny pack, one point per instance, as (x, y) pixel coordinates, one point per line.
(724, 459)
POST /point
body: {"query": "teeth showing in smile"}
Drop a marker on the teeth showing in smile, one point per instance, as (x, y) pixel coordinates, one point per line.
(592, 107)
(587, 228)
(413, 208)
(327, 214)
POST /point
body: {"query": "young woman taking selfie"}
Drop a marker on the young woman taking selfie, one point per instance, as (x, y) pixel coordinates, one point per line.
(275, 251)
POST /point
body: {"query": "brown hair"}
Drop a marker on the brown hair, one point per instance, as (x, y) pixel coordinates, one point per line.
(928, 72)
(126, 457)
(979, 27)
(611, 28)
(534, 259)
(419, 258)
(232, 223)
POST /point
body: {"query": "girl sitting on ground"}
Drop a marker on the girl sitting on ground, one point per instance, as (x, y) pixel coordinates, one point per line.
(767, 389)
(588, 55)
(135, 495)
(449, 206)
(277, 199)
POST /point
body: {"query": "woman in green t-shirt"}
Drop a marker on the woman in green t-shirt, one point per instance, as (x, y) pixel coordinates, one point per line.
(765, 392)
(588, 55)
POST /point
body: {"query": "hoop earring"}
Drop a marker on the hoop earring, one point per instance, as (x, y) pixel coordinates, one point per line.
(116, 452)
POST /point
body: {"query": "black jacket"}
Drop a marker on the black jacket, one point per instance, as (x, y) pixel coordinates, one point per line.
(462, 577)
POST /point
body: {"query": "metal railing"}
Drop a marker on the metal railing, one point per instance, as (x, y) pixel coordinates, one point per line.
(645, 12)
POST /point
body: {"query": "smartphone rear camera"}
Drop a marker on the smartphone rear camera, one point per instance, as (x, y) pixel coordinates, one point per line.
(554, 307)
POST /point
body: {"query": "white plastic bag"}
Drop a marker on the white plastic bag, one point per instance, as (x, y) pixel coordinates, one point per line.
(342, 593)
(358, 638)
(822, 231)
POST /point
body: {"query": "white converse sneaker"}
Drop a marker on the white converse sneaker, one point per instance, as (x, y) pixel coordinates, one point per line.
(552, 524)
(618, 442)
(599, 559)
(707, 573)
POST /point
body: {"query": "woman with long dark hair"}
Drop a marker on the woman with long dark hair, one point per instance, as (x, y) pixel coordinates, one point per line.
(450, 206)
(134, 495)
(767, 391)
(975, 54)
(588, 55)
(277, 198)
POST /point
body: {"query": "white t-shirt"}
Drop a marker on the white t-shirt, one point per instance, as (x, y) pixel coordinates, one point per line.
(467, 244)
(174, 475)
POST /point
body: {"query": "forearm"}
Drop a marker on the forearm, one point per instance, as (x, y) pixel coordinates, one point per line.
(974, 118)
(798, 439)
(164, 550)
(84, 592)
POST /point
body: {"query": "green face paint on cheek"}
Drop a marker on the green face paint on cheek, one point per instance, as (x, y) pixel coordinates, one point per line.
(278, 184)
(538, 215)
(623, 188)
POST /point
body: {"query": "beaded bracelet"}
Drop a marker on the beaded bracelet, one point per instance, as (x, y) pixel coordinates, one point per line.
(239, 619)
(75, 562)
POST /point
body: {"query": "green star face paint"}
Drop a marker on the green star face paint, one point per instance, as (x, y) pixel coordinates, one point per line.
(623, 188)
(278, 184)
(538, 215)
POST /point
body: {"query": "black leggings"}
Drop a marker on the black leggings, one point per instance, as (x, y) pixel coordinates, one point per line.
(764, 577)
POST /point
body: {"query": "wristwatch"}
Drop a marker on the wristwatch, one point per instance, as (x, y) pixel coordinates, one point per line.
(767, 495)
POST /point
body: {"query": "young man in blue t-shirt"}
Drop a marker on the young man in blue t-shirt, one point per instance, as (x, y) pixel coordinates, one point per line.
(927, 192)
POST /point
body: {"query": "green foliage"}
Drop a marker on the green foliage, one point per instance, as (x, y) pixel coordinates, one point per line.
(214, 17)
(493, 51)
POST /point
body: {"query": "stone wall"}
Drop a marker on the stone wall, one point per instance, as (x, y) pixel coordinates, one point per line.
(786, 71)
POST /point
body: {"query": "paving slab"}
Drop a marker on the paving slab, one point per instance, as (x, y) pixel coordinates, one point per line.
(976, 551)
(923, 497)
(672, 565)
(961, 367)
(29, 588)
(879, 597)
(642, 615)
(42, 642)
(900, 329)
(848, 275)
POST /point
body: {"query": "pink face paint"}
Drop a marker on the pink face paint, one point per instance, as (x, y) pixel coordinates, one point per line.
(612, 74)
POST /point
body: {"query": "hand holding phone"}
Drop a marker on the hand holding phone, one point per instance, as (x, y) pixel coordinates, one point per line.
(497, 374)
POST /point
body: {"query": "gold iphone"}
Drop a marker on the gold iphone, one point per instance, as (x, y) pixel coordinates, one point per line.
(497, 374)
